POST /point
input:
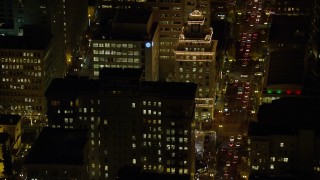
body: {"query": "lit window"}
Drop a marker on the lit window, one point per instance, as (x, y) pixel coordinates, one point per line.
(133, 105)
(281, 144)
(271, 166)
(273, 159)
(134, 161)
(285, 159)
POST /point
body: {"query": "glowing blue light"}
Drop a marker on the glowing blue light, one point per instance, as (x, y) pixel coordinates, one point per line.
(148, 44)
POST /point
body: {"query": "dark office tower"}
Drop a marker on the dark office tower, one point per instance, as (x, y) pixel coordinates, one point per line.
(171, 16)
(147, 124)
(284, 142)
(313, 54)
(290, 7)
(195, 61)
(68, 21)
(15, 14)
(128, 39)
(26, 71)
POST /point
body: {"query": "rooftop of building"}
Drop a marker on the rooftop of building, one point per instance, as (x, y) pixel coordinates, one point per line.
(115, 79)
(58, 146)
(287, 115)
(290, 29)
(288, 37)
(286, 67)
(126, 24)
(9, 119)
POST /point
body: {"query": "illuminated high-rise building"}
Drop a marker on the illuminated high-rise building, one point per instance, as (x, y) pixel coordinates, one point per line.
(65, 20)
(195, 61)
(26, 71)
(130, 40)
(147, 124)
(171, 16)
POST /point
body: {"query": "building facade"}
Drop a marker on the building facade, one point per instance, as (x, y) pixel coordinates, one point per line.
(285, 142)
(26, 71)
(131, 43)
(171, 16)
(195, 61)
(131, 122)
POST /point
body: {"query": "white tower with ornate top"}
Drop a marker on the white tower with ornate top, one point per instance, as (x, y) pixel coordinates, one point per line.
(195, 61)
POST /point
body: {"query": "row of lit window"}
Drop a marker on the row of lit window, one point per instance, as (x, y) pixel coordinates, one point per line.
(119, 60)
(22, 67)
(173, 170)
(173, 139)
(289, 9)
(173, 147)
(23, 54)
(93, 173)
(194, 64)
(152, 136)
(193, 70)
(282, 159)
(149, 103)
(93, 142)
(172, 29)
(20, 60)
(68, 120)
(28, 74)
(149, 121)
(113, 45)
(119, 53)
(150, 112)
(165, 50)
